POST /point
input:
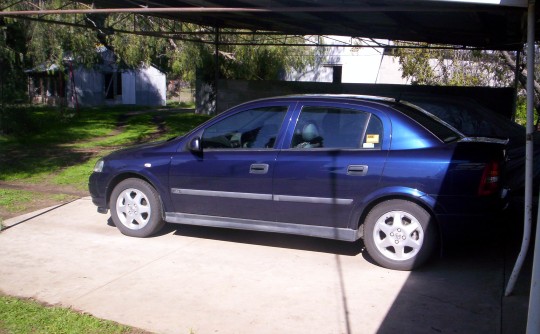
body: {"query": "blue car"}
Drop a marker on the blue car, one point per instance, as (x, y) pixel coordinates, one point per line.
(330, 166)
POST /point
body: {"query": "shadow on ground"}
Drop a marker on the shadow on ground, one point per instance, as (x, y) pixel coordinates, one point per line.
(263, 239)
(463, 292)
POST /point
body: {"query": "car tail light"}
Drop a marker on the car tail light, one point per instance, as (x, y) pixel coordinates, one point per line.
(490, 179)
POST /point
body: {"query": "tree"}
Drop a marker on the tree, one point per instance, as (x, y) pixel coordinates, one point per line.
(463, 67)
(459, 67)
(180, 49)
(12, 50)
(12, 77)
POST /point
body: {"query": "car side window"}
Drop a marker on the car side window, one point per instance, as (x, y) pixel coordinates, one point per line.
(322, 127)
(372, 137)
(248, 129)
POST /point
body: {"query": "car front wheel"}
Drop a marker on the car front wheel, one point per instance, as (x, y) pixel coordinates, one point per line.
(136, 208)
(399, 234)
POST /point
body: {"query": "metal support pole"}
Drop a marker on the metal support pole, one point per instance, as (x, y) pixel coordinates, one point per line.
(528, 152)
(533, 317)
(216, 69)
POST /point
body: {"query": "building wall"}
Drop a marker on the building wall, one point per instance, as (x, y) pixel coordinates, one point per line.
(146, 86)
(129, 79)
(150, 87)
(88, 88)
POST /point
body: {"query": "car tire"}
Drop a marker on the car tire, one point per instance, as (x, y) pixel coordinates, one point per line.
(136, 208)
(399, 234)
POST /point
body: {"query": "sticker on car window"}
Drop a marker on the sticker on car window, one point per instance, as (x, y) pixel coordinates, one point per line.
(368, 145)
(372, 139)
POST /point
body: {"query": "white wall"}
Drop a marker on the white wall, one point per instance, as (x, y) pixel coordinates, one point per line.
(151, 87)
(365, 64)
(88, 88)
(128, 87)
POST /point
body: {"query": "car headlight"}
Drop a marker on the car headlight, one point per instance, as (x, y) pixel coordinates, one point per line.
(99, 166)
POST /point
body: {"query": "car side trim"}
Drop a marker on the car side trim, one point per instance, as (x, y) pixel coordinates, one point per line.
(315, 200)
(227, 194)
(266, 197)
(344, 234)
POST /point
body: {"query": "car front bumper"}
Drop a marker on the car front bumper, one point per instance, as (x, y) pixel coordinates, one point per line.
(98, 191)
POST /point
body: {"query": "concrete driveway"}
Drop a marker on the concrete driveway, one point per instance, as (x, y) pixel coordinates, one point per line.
(205, 280)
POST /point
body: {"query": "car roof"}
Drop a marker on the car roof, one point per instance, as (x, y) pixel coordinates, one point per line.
(330, 97)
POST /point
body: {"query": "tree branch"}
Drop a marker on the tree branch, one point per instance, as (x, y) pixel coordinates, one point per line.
(522, 78)
(522, 74)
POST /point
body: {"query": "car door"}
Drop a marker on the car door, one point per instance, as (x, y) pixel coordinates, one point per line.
(232, 175)
(334, 156)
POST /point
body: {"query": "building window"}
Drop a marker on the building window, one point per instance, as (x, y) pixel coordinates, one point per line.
(337, 74)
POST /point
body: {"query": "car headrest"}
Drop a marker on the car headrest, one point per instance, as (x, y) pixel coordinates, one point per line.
(310, 132)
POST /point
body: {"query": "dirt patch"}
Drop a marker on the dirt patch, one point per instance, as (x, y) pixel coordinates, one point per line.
(44, 188)
(159, 121)
(46, 195)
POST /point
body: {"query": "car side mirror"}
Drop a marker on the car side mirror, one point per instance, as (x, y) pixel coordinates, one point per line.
(195, 145)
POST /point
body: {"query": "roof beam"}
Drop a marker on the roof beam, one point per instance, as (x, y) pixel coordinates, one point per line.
(155, 10)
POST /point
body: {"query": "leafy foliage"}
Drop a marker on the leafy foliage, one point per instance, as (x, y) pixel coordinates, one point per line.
(12, 49)
(447, 67)
(260, 62)
(48, 43)
(521, 112)
(51, 43)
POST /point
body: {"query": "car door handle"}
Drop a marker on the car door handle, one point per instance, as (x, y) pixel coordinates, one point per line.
(258, 169)
(357, 170)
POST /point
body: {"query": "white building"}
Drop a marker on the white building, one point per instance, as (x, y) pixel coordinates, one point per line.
(145, 85)
(365, 63)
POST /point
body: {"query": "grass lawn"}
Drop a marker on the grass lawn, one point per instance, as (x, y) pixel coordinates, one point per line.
(45, 151)
(27, 316)
(14, 201)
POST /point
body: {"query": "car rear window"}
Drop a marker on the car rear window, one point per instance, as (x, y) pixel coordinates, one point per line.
(430, 122)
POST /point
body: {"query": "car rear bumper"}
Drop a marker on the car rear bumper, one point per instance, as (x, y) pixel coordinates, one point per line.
(471, 218)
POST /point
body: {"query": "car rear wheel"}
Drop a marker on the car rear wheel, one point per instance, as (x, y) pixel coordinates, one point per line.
(136, 208)
(399, 234)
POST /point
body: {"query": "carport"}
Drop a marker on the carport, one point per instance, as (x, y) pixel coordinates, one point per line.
(489, 24)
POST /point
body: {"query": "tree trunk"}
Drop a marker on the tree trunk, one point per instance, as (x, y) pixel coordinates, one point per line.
(522, 78)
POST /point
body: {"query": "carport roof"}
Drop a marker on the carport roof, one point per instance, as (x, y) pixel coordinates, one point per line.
(484, 25)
